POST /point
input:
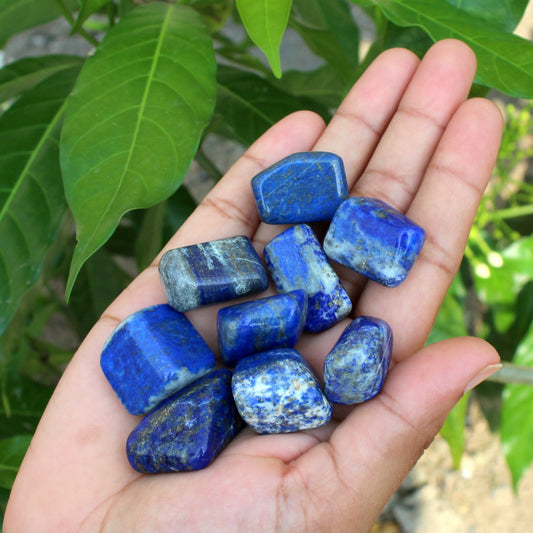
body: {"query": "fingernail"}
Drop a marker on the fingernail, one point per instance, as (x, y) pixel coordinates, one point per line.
(482, 376)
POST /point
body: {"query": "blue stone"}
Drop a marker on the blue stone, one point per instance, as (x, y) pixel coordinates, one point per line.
(296, 260)
(210, 272)
(152, 354)
(188, 430)
(374, 239)
(277, 392)
(304, 187)
(355, 369)
(260, 325)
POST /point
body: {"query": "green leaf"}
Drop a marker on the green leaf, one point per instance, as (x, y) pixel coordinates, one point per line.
(99, 283)
(505, 61)
(88, 7)
(179, 208)
(19, 15)
(31, 194)
(329, 30)
(517, 416)
(247, 105)
(21, 75)
(150, 237)
(453, 430)
(12, 452)
(135, 119)
(266, 21)
(22, 405)
(505, 14)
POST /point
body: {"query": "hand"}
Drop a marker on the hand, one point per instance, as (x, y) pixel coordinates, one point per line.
(407, 136)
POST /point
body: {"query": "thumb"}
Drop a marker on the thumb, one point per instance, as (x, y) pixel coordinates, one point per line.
(372, 450)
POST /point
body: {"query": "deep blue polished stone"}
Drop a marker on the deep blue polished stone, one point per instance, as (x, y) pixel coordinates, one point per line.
(355, 369)
(276, 392)
(374, 239)
(188, 430)
(296, 260)
(152, 354)
(210, 272)
(303, 187)
(260, 325)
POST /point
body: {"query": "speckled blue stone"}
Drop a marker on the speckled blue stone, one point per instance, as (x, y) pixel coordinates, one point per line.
(188, 430)
(374, 239)
(210, 272)
(296, 260)
(303, 187)
(260, 325)
(276, 392)
(152, 354)
(354, 371)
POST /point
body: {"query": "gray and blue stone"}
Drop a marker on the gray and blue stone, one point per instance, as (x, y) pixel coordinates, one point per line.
(303, 187)
(296, 260)
(152, 354)
(356, 367)
(374, 239)
(187, 430)
(277, 392)
(260, 325)
(211, 272)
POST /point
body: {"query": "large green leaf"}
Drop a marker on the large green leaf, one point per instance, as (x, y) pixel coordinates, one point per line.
(517, 416)
(21, 75)
(19, 15)
(135, 118)
(329, 30)
(266, 21)
(31, 195)
(505, 61)
(506, 14)
(12, 452)
(247, 105)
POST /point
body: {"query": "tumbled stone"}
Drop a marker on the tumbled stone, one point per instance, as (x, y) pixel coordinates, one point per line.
(211, 272)
(152, 354)
(303, 187)
(296, 260)
(374, 239)
(188, 430)
(355, 369)
(260, 325)
(276, 392)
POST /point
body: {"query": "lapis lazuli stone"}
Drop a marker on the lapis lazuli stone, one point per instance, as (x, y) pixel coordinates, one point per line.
(303, 187)
(296, 260)
(152, 354)
(355, 369)
(277, 392)
(260, 325)
(188, 430)
(374, 239)
(210, 272)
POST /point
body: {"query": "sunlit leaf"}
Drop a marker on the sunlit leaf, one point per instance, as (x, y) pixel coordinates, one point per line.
(516, 431)
(135, 119)
(266, 21)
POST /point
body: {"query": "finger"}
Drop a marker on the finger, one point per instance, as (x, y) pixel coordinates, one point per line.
(440, 84)
(445, 206)
(358, 124)
(371, 452)
(82, 433)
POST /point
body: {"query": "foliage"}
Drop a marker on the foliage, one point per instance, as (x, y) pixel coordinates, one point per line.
(103, 144)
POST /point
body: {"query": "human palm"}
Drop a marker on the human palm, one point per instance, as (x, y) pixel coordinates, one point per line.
(407, 136)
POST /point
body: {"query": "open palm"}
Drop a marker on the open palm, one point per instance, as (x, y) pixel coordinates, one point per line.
(407, 136)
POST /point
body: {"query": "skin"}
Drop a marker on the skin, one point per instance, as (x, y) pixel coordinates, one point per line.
(408, 136)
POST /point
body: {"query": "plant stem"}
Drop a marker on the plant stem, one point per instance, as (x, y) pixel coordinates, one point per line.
(70, 19)
(208, 165)
(510, 212)
(510, 373)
